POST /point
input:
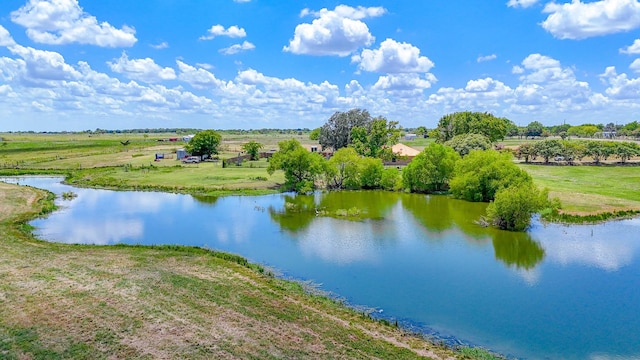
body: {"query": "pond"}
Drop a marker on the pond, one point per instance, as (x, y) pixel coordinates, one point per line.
(557, 291)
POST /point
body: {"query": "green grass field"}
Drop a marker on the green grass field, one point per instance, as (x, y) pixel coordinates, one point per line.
(103, 161)
(590, 189)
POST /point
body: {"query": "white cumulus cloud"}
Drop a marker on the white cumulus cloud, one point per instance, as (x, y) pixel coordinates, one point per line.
(334, 32)
(545, 81)
(581, 20)
(393, 57)
(5, 37)
(39, 66)
(197, 77)
(141, 69)
(484, 94)
(236, 48)
(632, 49)
(404, 85)
(621, 87)
(218, 30)
(64, 22)
(635, 65)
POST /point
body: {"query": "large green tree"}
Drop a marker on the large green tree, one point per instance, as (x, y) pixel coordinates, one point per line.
(479, 175)
(371, 170)
(421, 131)
(342, 170)
(375, 138)
(336, 132)
(431, 170)
(572, 150)
(467, 122)
(253, 149)
(314, 134)
(526, 151)
(586, 130)
(626, 150)
(548, 149)
(599, 150)
(204, 143)
(463, 144)
(301, 167)
(628, 129)
(535, 128)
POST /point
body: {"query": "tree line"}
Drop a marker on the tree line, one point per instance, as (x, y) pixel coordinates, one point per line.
(460, 162)
(576, 150)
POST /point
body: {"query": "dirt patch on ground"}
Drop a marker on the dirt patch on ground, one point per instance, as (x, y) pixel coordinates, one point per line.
(16, 200)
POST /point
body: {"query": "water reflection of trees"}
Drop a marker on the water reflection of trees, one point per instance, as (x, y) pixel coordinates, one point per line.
(297, 213)
(205, 199)
(517, 249)
(300, 210)
(437, 214)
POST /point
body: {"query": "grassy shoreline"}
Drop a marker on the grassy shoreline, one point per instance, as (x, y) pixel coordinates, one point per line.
(81, 301)
(590, 193)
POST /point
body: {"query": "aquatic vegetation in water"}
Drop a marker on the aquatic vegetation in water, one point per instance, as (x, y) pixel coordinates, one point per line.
(69, 195)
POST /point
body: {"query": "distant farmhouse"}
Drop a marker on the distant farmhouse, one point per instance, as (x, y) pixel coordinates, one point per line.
(402, 154)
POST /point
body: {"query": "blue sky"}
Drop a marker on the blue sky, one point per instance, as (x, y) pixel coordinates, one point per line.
(228, 64)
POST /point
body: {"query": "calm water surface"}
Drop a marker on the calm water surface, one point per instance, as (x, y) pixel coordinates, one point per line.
(569, 292)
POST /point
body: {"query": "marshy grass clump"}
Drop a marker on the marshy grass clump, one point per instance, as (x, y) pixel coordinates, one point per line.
(594, 218)
(351, 212)
(69, 195)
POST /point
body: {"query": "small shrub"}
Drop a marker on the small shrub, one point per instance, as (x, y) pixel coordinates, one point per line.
(68, 195)
(390, 179)
(513, 206)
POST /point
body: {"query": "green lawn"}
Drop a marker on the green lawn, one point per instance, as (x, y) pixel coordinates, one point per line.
(590, 189)
(102, 160)
(202, 177)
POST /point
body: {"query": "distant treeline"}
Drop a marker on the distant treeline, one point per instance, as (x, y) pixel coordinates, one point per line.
(168, 130)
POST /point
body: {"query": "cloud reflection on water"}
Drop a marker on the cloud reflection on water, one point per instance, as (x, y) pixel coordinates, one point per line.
(608, 246)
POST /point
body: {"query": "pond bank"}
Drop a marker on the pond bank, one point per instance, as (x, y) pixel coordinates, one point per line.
(128, 301)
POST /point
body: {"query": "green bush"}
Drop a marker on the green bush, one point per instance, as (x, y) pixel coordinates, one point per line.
(514, 205)
(431, 170)
(371, 173)
(479, 175)
(390, 179)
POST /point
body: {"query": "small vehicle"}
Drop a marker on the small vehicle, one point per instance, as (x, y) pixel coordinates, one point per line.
(191, 160)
